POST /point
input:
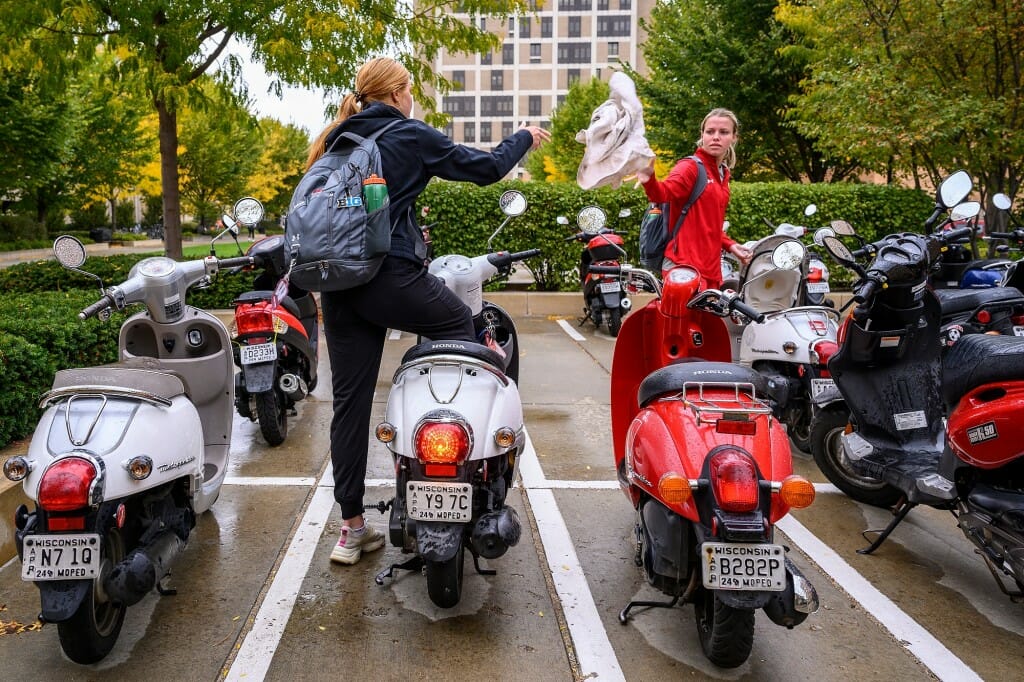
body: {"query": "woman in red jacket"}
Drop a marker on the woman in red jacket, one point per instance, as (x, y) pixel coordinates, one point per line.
(700, 239)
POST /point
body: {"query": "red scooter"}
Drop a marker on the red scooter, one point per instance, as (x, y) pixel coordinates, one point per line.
(705, 464)
(604, 299)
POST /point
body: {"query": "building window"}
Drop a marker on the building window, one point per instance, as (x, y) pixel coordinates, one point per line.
(511, 27)
(602, 5)
(574, 53)
(560, 100)
(545, 27)
(574, 5)
(469, 131)
(483, 23)
(449, 130)
(459, 80)
(613, 52)
(546, 125)
(572, 77)
(497, 80)
(534, 107)
(506, 129)
(614, 25)
(534, 52)
(459, 105)
(486, 59)
(485, 131)
(508, 54)
(495, 105)
(625, 4)
(576, 27)
(524, 27)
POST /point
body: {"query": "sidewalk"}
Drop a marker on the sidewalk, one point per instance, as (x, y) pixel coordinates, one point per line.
(8, 258)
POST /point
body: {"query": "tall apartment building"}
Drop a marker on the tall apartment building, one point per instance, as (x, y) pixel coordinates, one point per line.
(543, 52)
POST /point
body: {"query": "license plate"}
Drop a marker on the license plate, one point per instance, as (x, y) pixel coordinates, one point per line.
(819, 386)
(61, 557)
(1018, 330)
(260, 352)
(739, 566)
(817, 287)
(434, 501)
(610, 287)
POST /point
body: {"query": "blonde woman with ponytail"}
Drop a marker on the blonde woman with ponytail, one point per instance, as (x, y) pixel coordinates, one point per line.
(700, 239)
(403, 295)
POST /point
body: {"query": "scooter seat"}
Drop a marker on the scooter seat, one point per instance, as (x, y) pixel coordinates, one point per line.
(163, 384)
(288, 303)
(979, 359)
(672, 378)
(442, 347)
(954, 301)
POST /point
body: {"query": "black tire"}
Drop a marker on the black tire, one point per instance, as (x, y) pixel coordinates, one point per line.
(91, 632)
(798, 425)
(614, 321)
(272, 415)
(826, 428)
(726, 634)
(444, 579)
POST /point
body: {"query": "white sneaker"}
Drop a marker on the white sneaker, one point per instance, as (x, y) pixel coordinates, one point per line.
(351, 546)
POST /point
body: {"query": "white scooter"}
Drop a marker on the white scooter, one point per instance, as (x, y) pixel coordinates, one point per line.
(791, 347)
(125, 455)
(454, 425)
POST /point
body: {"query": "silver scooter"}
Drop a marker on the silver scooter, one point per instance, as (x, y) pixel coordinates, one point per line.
(126, 455)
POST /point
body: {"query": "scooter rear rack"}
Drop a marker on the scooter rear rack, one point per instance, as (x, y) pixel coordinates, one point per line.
(742, 402)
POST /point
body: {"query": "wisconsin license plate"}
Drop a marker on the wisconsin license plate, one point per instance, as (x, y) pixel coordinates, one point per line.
(610, 287)
(260, 352)
(739, 566)
(817, 287)
(819, 386)
(438, 501)
(61, 557)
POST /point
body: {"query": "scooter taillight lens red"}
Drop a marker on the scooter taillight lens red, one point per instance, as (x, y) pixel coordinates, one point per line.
(66, 484)
(442, 443)
(734, 481)
(824, 349)
(251, 320)
(814, 275)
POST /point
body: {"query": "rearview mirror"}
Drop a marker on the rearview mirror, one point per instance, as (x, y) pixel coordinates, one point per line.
(1001, 201)
(788, 255)
(810, 210)
(625, 212)
(591, 219)
(954, 189)
(821, 233)
(838, 249)
(965, 211)
(842, 227)
(562, 220)
(70, 252)
(512, 203)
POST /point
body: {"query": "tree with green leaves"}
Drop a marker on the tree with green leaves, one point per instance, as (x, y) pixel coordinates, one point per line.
(170, 44)
(280, 164)
(559, 158)
(916, 89)
(704, 54)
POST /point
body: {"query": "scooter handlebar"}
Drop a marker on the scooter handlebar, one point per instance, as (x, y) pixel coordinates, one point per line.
(863, 291)
(238, 261)
(747, 310)
(105, 302)
(605, 269)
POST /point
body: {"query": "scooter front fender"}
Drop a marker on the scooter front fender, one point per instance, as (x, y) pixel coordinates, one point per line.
(438, 541)
(258, 377)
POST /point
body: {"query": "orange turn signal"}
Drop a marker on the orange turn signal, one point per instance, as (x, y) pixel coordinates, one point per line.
(674, 489)
(797, 492)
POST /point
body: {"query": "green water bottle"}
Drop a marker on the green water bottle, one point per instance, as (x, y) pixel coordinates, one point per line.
(375, 193)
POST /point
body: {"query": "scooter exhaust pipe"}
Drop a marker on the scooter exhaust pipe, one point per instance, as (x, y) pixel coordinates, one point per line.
(792, 606)
(138, 573)
(625, 303)
(495, 532)
(292, 386)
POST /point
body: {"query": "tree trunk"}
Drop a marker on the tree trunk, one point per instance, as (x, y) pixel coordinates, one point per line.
(169, 179)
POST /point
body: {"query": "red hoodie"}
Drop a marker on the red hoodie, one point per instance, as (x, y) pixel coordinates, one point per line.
(700, 239)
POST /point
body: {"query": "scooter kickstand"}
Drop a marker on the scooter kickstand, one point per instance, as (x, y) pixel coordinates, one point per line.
(165, 591)
(413, 564)
(481, 571)
(899, 513)
(624, 614)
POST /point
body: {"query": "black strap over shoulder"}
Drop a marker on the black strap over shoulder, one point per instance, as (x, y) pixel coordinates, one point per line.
(357, 138)
(698, 188)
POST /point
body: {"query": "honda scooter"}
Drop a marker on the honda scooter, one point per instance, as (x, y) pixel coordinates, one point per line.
(705, 464)
(604, 299)
(454, 426)
(276, 338)
(125, 456)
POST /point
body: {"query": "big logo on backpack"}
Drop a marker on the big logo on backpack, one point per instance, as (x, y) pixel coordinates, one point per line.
(334, 241)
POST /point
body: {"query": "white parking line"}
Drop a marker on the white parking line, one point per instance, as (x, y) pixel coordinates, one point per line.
(943, 663)
(573, 334)
(269, 480)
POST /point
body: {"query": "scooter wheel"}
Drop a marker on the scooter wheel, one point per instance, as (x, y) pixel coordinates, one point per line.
(91, 632)
(444, 579)
(272, 416)
(614, 321)
(827, 426)
(726, 633)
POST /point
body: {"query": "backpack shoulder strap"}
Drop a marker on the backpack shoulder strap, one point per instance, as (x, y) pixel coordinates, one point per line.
(698, 188)
(357, 139)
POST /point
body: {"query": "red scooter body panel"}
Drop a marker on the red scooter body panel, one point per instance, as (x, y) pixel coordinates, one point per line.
(985, 429)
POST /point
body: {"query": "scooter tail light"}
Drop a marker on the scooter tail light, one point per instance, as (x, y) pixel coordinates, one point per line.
(440, 470)
(796, 492)
(734, 481)
(983, 316)
(251, 320)
(674, 489)
(66, 484)
(736, 427)
(814, 274)
(65, 523)
(1017, 319)
(442, 442)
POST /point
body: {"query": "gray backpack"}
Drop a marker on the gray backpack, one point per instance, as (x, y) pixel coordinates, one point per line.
(654, 235)
(334, 242)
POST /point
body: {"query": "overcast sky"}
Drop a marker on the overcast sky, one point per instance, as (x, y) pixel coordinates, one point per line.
(302, 107)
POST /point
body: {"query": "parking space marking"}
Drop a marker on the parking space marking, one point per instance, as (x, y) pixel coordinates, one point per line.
(942, 662)
(573, 334)
(269, 480)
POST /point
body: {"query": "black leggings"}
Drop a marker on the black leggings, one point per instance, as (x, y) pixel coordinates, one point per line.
(402, 296)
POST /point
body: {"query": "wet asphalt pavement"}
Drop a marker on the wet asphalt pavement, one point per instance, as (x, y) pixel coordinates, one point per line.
(258, 599)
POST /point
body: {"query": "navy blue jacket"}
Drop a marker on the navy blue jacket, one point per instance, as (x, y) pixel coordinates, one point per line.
(411, 153)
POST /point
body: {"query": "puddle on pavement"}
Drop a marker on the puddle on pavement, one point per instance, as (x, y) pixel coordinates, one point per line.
(410, 590)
